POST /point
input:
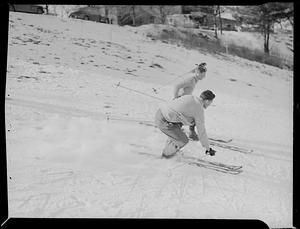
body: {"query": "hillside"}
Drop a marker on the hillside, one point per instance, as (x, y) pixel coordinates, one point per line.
(247, 45)
(76, 146)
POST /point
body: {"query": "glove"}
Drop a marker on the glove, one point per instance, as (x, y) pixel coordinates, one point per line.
(211, 152)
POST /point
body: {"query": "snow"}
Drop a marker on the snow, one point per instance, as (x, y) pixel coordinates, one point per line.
(74, 140)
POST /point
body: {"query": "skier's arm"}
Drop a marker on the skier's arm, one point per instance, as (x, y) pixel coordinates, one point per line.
(199, 120)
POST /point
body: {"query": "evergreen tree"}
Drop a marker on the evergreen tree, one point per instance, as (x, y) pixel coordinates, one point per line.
(264, 16)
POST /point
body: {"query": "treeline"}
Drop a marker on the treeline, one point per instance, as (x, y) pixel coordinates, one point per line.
(263, 17)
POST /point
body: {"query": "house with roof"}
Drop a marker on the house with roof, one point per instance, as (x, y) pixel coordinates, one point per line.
(203, 20)
(229, 22)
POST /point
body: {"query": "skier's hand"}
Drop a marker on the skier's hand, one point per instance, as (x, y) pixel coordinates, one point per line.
(211, 152)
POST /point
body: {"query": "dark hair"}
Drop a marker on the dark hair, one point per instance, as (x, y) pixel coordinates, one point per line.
(207, 95)
(202, 67)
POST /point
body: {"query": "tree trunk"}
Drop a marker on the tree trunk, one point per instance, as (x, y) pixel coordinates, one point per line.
(47, 9)
(106, 9)
(267, 37)
(216, 30)
(133, 15)
(220, 19)
(162, 14)
(216, 26)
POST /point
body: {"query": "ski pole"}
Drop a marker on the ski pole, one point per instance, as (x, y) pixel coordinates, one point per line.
(139, 92)
(156, 89)
(199, 66)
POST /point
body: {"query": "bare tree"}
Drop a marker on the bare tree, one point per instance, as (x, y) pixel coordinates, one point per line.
(127, 14)
(162, 14)
(220, 18)
(215, 13)
(133, 15)
(264, 16)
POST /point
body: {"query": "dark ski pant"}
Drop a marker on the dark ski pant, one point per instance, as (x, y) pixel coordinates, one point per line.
(177, 138)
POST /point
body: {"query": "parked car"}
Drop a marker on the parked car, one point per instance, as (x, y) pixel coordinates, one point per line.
(28, 8)
(89, 13)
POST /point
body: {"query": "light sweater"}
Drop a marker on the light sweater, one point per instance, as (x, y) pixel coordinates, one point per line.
(185, 87)
(188, 110)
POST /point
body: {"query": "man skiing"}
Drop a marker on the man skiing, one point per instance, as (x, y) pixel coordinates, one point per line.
(186, 87)
(185, 110)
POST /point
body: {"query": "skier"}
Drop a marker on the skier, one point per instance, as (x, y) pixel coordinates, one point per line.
(185, 110)
(186, 87)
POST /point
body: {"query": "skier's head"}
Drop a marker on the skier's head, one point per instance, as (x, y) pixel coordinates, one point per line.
(207, 97)
(201, 70)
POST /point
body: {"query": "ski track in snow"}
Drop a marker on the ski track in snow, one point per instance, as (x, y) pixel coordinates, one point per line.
(75, 146)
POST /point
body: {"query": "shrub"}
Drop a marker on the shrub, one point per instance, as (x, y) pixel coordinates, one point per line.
(258, 56)
(192, 40)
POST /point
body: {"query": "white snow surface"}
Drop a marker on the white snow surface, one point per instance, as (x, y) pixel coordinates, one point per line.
(66, 156)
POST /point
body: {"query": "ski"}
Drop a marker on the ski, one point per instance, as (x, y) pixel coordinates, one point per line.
(231, 147)
(214, 167)
(223, 144)
(220, 140)
(217, 166)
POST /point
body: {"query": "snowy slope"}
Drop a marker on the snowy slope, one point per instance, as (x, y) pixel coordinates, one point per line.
(68, 156)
